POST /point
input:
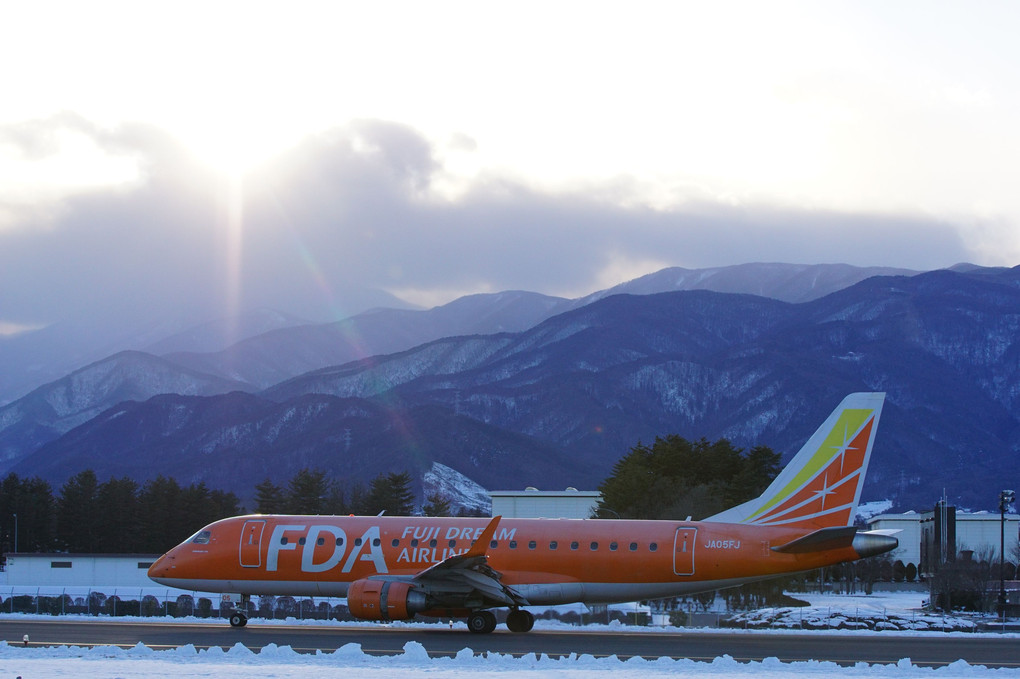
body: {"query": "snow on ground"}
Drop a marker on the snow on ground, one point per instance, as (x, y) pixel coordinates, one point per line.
(889, 611)
(274, 662)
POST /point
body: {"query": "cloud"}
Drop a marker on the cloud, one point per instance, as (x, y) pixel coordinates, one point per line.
(352, 210)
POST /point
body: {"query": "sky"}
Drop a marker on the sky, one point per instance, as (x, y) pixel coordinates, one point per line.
(198, 159)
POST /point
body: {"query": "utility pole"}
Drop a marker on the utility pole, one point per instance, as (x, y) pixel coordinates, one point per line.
(15, 533)
(1006, 498)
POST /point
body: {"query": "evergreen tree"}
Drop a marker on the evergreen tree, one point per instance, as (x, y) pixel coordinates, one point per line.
(118, 525)
(224, 504)
(346, 498)
(269, 498)
(32, 501)
(77, 528)
(307, 493)
(436, 504)
(391, 493)
(163, 522)
(676, 478)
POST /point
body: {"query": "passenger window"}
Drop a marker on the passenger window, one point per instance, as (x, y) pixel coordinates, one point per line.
(594, 546)
(301, 541)
(395, 542)
(283, 540)
(574, 545)
(452, 543)
(202, 538)
(613, 546)
(376, 542)
(357, 542)
(493, 544)
(432, 543)
(633, 546)
(414, 542)
(532, 544)
(339, 542)
(320, 541)
(652, 547)
(513, 544)
(553, 544)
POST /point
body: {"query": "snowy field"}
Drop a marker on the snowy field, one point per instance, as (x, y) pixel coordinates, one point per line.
(272, 662)
(276, 663)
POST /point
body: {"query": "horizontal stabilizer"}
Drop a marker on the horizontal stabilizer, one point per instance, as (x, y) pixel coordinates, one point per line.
(821, 540)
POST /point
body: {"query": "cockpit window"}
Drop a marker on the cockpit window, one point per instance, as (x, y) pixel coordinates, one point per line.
(202, 538)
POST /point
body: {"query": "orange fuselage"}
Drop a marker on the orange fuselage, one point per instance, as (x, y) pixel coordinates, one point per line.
(548, 561)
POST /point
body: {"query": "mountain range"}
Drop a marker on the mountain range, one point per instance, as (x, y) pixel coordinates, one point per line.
(520, 389)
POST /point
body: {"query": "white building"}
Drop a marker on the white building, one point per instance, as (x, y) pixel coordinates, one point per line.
(979, 532)
(921, 535)
(909, 526)
(96, 571)
(532, 503)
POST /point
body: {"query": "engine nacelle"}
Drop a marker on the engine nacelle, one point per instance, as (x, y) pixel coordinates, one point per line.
(384, 600)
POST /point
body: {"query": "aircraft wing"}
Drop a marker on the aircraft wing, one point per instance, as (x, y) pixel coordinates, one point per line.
(467, 575)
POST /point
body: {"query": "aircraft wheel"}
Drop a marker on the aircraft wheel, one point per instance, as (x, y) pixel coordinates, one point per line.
(520, 621)
(481, 622)
(238, 620)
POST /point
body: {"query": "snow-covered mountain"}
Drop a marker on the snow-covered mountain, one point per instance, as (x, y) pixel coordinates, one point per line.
(785, 282)
(457, 488)
(58, 407)
(273, 357)
(559, 403)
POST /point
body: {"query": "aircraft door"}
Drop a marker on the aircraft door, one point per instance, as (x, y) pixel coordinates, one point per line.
(683, 551)
(250, 552)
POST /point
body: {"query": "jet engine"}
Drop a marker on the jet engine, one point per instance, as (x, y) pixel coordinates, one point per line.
(384, 600)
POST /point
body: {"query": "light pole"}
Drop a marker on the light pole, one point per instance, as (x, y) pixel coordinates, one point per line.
(1006, 498)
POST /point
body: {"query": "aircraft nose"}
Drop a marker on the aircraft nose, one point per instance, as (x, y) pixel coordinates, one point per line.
(163, 567)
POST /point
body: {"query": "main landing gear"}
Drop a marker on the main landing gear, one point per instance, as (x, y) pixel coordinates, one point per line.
(517, 620)
(481, 622)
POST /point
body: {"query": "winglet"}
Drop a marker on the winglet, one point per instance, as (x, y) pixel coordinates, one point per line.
(481, 545)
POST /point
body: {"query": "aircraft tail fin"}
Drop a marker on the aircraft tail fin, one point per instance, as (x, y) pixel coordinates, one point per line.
(821, 486)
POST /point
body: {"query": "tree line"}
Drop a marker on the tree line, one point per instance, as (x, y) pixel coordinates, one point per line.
(115, 516)
(672, 479)
(121, 516)
(675, 478)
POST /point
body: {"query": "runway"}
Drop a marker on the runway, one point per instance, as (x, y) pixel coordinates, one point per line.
(934, 650)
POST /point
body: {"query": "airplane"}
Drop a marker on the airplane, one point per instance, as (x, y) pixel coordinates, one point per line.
(394, 567)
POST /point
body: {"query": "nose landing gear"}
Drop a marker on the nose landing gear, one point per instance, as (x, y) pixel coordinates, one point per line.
(240, 618)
